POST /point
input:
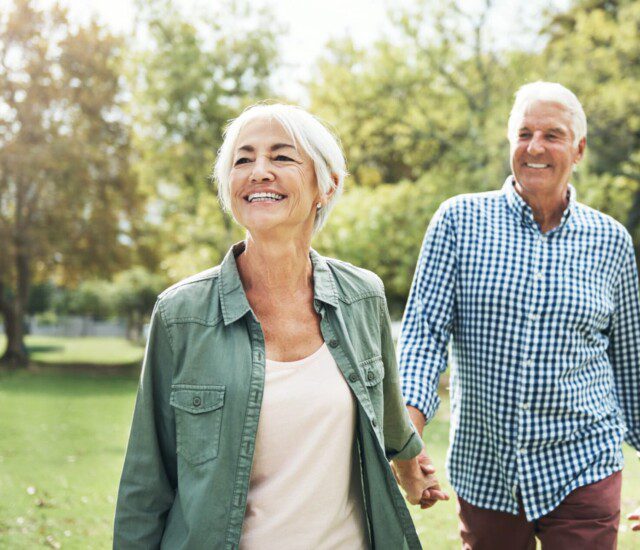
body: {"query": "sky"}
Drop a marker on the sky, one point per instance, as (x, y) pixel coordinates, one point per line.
(311, 23)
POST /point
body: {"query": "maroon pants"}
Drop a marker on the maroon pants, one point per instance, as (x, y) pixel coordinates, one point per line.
(587, 519)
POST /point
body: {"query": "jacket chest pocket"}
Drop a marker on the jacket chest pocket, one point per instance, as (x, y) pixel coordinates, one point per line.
(198, 413)
(372, 371)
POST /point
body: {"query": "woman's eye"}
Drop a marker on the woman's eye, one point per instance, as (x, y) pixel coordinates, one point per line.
(242, 160)
(283, 158)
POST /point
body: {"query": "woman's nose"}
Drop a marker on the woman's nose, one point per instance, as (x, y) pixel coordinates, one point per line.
(262, 170)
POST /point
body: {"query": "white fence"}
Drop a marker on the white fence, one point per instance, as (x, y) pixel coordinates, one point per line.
(76, 326)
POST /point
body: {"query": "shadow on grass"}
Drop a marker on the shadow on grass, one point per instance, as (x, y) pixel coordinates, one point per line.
(43, 348)
(61, 382)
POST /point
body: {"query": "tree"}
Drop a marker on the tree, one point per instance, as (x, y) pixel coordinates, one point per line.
(134, 293)
(432, 96)
(67, 196)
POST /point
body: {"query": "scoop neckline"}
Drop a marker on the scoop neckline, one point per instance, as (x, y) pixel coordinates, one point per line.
(297, 362)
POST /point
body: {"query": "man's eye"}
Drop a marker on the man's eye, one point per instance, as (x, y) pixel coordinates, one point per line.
(242, 160)
(524, 135)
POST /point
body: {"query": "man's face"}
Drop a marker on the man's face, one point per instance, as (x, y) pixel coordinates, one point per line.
(542, 152)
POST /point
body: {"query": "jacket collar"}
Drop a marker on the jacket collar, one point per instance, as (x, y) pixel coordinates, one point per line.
(233, 299)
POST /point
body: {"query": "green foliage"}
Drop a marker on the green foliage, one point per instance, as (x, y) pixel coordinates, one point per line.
(381, 229)
(195, 75)
(92, 298)
(41, 297)
(433, 98)
(595, 51)
(134, 293)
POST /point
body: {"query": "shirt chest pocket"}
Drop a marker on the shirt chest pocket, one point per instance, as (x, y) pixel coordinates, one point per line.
(372, 371)
(198, 414)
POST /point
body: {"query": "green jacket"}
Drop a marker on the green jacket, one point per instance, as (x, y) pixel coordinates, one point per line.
(186, 472)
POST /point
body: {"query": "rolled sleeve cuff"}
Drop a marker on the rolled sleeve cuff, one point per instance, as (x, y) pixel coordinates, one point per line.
(412, 448)
(427, 406)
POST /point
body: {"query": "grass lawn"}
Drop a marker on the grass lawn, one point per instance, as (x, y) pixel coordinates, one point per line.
(57, 349)
(62, 440)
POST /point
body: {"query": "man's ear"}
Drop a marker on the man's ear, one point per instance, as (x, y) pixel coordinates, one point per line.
(582, 145)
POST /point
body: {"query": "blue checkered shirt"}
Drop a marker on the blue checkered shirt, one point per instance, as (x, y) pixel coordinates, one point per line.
(545, 347)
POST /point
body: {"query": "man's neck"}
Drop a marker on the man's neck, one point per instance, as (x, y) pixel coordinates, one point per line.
(547, 207)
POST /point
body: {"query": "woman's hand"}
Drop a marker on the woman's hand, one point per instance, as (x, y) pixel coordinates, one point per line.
(416, 477)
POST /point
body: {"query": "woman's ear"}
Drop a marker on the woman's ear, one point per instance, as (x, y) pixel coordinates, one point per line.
(331, 191)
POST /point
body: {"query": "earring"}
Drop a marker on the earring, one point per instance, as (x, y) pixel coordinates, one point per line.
(318, 206)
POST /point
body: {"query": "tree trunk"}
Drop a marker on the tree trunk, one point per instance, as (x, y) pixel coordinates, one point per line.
(15, 356)
(13, 307)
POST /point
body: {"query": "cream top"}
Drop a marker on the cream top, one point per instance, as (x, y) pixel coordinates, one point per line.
(305, 489)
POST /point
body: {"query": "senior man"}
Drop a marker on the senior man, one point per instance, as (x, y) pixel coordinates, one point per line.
(539, 296)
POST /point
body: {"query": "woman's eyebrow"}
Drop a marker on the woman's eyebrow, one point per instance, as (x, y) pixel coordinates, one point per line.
(274, 147)
(277, 146)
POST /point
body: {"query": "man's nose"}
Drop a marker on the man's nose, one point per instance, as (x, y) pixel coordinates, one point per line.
(536, 145)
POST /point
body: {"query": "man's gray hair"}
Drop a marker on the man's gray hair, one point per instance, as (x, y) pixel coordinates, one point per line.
(552, 92)
(306, 131)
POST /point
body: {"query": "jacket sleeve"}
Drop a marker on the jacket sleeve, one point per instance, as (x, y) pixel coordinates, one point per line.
(401, 439)
(147, 486)
(429, 316)
(624, 345)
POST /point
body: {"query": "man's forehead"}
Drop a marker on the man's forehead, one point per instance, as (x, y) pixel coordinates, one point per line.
(547, 114)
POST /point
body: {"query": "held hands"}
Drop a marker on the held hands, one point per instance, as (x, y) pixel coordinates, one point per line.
(416, 477)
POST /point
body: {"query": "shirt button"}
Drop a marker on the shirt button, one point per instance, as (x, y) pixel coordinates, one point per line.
(370, 375)
(533, 316)
(374, 423)
(197, 401)
(333, 343)
(524, 406)
(521, 450)
(528, 363)
(353, 377)
(538, 276)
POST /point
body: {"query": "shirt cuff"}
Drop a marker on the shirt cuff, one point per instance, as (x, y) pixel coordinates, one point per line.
(410, 450)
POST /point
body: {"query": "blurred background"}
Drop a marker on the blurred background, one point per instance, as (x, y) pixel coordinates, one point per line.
(111, 113)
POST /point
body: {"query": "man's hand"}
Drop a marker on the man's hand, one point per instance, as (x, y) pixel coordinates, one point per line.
(433, 493)
(636, 517)
(416, 477)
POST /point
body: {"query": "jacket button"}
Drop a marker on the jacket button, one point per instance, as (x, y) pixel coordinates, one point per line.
(333, 343)
(353, 377)
(374, 423)
(370, 375)
(197, 401)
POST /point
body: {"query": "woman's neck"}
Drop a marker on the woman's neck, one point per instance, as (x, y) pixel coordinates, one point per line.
(277, 267)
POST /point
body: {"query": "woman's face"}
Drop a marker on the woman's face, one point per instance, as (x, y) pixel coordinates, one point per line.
(272, 183)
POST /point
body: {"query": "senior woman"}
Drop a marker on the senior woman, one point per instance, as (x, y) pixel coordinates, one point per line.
(269, 401)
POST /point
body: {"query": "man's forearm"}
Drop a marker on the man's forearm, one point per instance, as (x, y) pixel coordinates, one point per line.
(417, 418)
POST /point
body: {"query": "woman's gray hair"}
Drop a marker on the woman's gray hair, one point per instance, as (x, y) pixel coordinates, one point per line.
(552, 92)
(307, 131)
